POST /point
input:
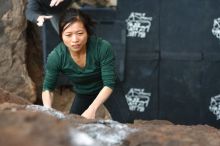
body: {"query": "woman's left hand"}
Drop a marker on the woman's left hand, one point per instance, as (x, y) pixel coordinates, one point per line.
(89, 114)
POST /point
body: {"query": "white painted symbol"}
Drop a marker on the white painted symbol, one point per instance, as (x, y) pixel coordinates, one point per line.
(214, 106)
(137, 99)
(138, 25)
(216, 28)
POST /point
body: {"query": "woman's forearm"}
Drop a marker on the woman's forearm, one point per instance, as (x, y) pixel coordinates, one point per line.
(101, 98)
(47, 97)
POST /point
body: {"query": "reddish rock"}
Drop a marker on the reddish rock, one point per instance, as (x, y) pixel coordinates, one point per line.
(174, 135)
(5, 96)
(13, 71)
(34, 127)
(23, 128)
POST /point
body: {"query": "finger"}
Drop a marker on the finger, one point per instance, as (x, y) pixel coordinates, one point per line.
(52, 3)
(55, 2)
(48, 17)
(58, 2)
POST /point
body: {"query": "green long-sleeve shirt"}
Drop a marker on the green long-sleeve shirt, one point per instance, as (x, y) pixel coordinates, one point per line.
(98, 72)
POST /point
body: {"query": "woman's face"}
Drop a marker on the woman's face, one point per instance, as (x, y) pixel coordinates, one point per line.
(75, 37)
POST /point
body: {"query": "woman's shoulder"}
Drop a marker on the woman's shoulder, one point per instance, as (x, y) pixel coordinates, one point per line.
(55, 57)
(99, 42)
(102, 48)
(59, 50)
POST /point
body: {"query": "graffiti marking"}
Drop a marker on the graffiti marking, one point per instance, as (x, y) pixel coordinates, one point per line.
(216, 28)
(137, 99)
(214, 106)
(138, 24)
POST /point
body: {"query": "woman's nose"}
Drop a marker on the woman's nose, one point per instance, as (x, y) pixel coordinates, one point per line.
(74, 38)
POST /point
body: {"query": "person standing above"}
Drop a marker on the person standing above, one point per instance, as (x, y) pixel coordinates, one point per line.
(89, 63)
(38, 11)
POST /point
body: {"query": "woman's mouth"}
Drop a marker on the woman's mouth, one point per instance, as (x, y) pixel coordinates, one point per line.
(76, 46)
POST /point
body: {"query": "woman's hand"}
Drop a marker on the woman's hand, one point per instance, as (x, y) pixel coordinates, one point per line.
(99, 100)
(89, 113)
(55, 2)
(47, 98)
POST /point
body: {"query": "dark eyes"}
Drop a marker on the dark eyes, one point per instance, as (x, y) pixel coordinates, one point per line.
(80, 33)
(68, 35)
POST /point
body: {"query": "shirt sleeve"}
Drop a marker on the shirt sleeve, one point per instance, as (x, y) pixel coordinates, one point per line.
(52, 71)
(107, 65)
(33, 10)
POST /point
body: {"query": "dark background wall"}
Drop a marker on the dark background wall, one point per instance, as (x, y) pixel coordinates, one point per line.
(184, 75)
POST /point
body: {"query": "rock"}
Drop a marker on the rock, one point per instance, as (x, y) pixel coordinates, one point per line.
(13, 72)
(5, 96)
(38, 128)
(174, 135)
(50, 111)
(26, 127)
(107, 132)
(23, 128)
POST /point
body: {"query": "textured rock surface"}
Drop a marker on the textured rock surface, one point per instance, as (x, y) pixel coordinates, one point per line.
(40, 126)
(34, 125)
(13, 72)
(11, 98)
(165, 134)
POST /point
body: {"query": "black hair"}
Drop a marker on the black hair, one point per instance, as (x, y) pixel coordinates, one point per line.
(72, 15)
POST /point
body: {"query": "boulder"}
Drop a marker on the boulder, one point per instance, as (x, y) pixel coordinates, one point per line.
(39, 126)
(13, 70)
(6, 97)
